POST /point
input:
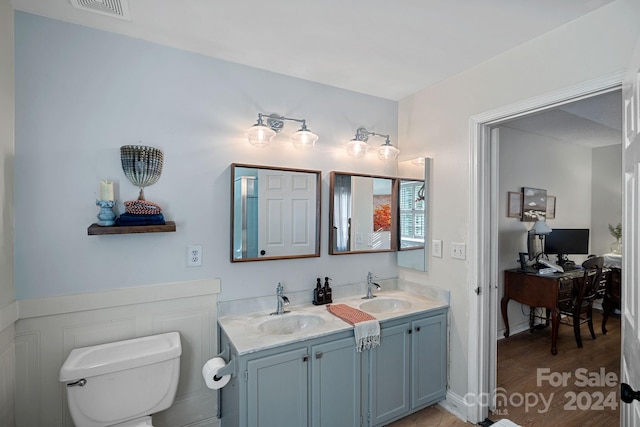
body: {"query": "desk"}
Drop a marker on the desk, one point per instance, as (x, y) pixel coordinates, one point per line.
(538, 291)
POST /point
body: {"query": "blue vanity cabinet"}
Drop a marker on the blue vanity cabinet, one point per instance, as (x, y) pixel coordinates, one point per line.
(277, 389)
(335, 384)
(408, 369)
(310, 383)
(428, 360)
(389, 374)
(325, 382)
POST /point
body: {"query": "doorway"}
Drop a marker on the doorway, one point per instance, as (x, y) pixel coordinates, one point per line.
(484, 267)
(574, 153)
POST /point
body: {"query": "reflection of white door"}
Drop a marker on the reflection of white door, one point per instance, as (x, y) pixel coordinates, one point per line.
(286, 212)
(630, 319)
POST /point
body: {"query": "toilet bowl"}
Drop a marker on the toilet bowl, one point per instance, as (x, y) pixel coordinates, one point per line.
(122, 383)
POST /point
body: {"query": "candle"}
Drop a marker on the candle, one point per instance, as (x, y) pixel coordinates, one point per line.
(106, 190)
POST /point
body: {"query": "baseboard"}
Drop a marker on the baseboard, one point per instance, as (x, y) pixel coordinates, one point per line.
(515, 329)
(455, 404)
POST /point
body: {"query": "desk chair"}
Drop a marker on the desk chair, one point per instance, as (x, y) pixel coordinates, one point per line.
(580, 307)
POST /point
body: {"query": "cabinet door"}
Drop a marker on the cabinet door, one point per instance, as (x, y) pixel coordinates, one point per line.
(389, 375)
(335, 379)
(277, 390)
(428, 360)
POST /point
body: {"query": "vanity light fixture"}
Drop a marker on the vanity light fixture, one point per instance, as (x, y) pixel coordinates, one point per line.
(261, 135)
(358, 146)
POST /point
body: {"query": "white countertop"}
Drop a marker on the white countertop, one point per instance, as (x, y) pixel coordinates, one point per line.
(242, 328)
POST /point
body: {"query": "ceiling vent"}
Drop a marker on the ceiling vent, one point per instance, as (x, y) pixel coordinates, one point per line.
(113, 8)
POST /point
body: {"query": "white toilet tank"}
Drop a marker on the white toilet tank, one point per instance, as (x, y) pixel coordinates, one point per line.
(118, 382)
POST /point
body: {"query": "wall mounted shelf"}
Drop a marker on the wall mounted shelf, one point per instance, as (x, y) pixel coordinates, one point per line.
(97, 230)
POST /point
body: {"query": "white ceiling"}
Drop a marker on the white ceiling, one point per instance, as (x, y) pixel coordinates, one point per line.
(384, 48)
(592, 122)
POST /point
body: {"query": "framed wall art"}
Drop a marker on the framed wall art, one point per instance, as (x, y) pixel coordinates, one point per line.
(534, 204)
(551, 207)
(514, 204)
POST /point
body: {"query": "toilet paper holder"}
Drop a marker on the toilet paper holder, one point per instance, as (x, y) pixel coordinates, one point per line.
(229, 368)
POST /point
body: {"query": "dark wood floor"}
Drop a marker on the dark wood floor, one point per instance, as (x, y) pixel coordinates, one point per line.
(519, 358)
(583, 399)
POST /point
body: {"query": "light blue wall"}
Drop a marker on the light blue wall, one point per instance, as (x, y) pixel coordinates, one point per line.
(82, 93)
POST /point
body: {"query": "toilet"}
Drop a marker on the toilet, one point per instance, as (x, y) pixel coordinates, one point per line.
(122, 383)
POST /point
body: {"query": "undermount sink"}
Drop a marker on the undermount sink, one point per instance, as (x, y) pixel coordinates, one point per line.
(384, 305)
(286, 324)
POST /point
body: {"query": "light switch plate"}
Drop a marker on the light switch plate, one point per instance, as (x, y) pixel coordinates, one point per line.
(436, 248)
(458, 250)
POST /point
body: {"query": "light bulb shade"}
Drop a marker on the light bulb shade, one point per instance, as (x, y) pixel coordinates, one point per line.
(357, 148)
(387, 152)
(260, 135)
(304, 139)
(541, 228)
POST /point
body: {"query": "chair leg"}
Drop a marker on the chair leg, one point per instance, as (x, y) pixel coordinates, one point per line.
(606, 307)
(590, 322)
(576, 328)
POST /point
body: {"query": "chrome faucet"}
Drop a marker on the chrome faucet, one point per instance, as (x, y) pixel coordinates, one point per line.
(282, 301)
(370, 285)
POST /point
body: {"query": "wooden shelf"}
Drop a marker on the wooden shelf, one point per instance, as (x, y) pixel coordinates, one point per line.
(97, 230)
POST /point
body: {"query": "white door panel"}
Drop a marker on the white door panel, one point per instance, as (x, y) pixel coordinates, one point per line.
(285, 211)
(630, 368)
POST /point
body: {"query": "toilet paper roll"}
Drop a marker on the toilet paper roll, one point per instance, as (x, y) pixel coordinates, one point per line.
(210, 373)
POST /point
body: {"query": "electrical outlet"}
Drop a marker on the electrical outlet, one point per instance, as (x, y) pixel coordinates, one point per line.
(194, 256)
(436, 248)
(458, 250)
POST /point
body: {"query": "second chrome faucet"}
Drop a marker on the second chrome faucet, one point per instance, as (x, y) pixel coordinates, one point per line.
(282, 300)
(370, 285)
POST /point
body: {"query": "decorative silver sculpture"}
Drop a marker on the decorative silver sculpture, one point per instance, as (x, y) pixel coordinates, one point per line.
(142, 165)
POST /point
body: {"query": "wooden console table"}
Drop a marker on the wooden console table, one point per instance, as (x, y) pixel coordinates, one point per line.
(538, 291)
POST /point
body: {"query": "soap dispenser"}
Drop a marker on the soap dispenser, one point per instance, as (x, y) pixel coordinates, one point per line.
(327, 291)
(318, 294)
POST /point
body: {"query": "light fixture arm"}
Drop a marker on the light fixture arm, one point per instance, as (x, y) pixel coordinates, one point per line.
(276, 122)
(363, 135)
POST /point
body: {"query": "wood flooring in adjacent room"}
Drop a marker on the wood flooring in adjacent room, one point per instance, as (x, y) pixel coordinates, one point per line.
(519, 358)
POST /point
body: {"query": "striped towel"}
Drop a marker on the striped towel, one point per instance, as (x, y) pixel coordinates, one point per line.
(366, 327)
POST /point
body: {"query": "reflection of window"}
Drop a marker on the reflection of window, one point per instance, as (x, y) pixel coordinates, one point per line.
(412, 220)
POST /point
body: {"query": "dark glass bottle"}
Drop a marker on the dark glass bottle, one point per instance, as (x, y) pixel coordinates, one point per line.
(318, 293)
(327, 291)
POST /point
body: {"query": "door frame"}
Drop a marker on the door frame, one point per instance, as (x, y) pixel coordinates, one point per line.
(483, 235)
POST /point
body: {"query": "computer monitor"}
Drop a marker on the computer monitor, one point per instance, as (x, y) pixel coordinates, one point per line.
(565, 241)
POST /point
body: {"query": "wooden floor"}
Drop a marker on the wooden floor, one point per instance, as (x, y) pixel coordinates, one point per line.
(577, 401)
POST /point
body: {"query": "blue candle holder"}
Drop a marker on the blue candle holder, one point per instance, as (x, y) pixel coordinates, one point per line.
(106, 216)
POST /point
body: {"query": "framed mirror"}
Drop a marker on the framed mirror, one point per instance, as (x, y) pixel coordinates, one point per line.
(413, 207)
(362, 213)
(275, 213)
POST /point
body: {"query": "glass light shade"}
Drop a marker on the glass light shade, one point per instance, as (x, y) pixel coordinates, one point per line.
(260, 135)
(304, 140)
(541, 228)
(387, 152)
(357, 148)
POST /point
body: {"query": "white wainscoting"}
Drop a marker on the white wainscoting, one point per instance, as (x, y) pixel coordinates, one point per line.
(49, 328)
(7, 374)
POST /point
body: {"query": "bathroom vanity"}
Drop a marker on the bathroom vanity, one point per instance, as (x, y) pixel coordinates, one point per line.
(302, 368)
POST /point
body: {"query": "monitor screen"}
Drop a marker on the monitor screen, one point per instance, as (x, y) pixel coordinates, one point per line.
(564, 241)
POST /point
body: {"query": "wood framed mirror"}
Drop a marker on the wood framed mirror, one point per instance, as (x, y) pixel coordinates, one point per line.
(362, 213)
(275, 213)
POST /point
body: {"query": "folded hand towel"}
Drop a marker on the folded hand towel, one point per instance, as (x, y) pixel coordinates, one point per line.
(366, 327)
(133, 219)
